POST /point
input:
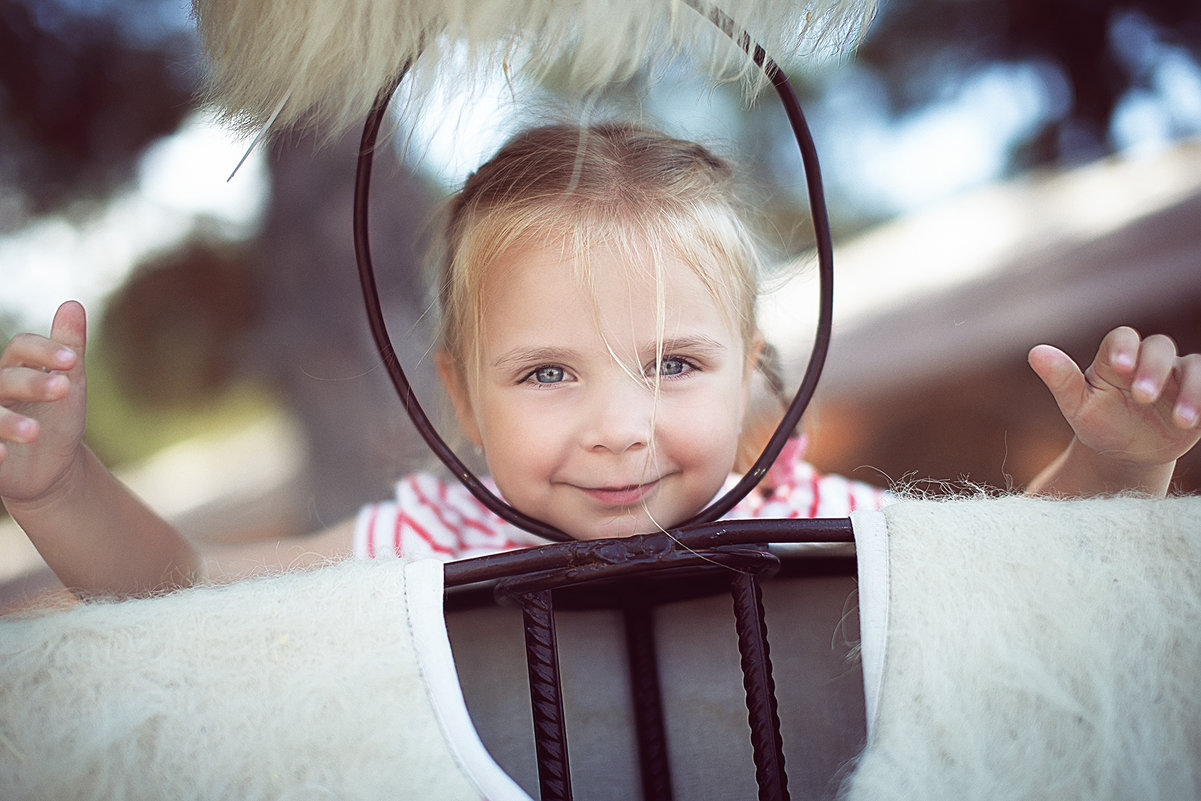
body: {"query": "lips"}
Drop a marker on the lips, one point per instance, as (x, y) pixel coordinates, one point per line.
(627, 495)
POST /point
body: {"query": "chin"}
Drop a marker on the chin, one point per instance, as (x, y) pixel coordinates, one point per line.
(605, 532)
(618, 528)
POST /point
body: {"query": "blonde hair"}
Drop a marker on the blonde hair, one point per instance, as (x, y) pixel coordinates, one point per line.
(615, 185)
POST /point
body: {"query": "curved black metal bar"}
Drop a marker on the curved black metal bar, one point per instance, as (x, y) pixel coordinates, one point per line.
(383, 342)
(737, 560)
(825, 257)
(700, 537)
(800, 401)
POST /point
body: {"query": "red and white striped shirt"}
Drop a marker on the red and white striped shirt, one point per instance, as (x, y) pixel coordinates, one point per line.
(431, 517)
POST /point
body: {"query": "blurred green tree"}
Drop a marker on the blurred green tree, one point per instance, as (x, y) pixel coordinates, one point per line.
(84, 88)
(1092, 54)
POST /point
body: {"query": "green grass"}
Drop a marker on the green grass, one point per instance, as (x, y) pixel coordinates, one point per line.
(123, 430)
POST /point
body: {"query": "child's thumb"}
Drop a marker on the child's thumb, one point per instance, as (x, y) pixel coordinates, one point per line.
(1061, 375)
(70, 327)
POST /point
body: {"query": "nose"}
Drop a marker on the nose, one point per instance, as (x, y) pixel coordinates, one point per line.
(620, 417)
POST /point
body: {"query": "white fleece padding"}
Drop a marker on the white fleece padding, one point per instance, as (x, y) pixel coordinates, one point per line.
(302, 686)
(321, 63)
(1039, 649)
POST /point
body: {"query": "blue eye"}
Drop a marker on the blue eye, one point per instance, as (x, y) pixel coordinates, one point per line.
(548, 375)
(674, 366)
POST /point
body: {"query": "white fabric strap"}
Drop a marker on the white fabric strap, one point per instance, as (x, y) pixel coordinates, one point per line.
(871, 546)
(423, 591)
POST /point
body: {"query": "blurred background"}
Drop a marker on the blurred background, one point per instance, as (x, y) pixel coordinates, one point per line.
(1000, 173)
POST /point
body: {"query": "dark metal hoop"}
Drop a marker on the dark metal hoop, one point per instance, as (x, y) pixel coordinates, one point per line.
(817, 358)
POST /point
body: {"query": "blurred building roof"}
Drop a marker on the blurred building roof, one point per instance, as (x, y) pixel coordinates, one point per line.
(985, 276)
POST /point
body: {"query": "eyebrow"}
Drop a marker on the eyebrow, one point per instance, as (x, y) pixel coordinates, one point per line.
(522, 357)
(691, 344)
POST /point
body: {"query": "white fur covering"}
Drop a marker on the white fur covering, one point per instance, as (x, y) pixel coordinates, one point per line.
(1038, 649)
(1033, 650)
(320, 63)
(317, 685)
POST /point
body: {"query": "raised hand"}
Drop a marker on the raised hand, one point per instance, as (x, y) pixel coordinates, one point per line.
(1137, 406)
(42, 407)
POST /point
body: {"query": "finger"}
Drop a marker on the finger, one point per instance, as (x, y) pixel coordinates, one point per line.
(17, 428)
(1061, 375)
(1187, 411)
(1117, 357)
(31, 385)
(1156, 360)
(70, 327)
(37, 352)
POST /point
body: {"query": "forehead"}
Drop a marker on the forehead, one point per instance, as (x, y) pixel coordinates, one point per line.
(539, 290)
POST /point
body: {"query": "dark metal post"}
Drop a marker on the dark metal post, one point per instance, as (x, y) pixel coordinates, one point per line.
(763, 714)
(546, 696)
(648, 702)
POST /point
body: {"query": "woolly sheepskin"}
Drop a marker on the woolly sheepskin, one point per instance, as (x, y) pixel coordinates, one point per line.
(1037, 649)
(1028, 649)
(302, 686)
(320, 63)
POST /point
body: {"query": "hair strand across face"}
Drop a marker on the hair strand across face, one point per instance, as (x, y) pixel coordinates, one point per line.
(617, 186)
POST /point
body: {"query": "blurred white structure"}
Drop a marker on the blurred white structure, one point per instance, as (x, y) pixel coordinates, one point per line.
(985, 276)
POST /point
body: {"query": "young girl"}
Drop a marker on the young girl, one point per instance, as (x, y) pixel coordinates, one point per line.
(598, 344)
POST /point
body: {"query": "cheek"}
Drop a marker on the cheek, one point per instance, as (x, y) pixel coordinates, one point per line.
(705, 429)
(517, 444)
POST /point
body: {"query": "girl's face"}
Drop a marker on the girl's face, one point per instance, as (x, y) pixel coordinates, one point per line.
(564, 403)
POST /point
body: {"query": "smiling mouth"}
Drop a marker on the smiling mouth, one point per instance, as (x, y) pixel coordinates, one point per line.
(621, 496)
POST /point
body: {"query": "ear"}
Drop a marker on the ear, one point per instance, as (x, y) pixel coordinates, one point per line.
(754, 352)
(456, 387)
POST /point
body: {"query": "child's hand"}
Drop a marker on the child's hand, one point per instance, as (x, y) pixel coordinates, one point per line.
(42, 407)
(1137, 404)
